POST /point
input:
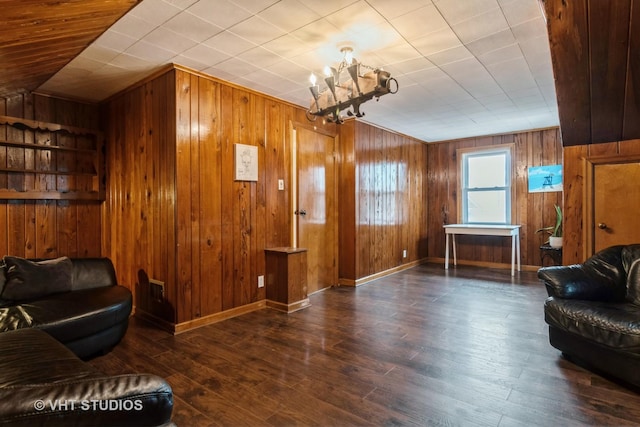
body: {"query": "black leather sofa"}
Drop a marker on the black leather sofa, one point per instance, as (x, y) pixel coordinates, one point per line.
(593, 312)
(52, 314)
(77, 301)
(42, 383)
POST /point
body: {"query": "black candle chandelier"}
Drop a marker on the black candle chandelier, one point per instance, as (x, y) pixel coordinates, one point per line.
(347, 95)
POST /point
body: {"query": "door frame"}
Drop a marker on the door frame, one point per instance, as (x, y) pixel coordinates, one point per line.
(588, 214)
(293, 195)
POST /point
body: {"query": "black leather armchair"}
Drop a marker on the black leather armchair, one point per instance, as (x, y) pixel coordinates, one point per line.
(593, 311)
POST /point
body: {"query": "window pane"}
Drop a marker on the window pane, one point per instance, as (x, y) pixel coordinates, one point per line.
(487, 206)
(487, 171)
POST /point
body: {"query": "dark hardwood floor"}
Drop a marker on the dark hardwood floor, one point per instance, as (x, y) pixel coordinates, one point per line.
(421, 347)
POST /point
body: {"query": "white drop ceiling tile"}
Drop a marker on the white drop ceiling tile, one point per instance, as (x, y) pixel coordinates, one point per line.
(218, 73)
(229, 43)
(190, 62)
(355, 17)
(449, 90)
(437, 41)
(275, 83)
(448, 56)
(542, 74)
(537, 47)
(310, 62)
(524, 93)
(289, 15)
(259, 57)
(236, 67)
(286, 45)
(132, 26)
(99, 53)
(115, 41)
(549, 94)
(222, 13)
(393, 9)
(320, 33)
(125, 61)
(192, 27)
(292, 71)
(512, 71)
(481, 26)
(206, 55)
(455, 11)
(373, 38)
(480, 88)
(169, 40)
(530, 30)
(155, 12)
(410, 66)
(427, 75)
(84, 64)
(254, 6)
(257, 30)
(149, 52)
(180, 4)
(397, 53)
(326, 7)
(508, 53)
(518, 11)
(420, 22)
(492, 42)
(469, 107)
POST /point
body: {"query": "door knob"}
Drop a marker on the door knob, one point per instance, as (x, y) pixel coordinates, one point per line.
(301, 212)
(602, 226)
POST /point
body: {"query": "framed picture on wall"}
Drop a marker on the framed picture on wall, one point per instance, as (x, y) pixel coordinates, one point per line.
(245, 162)
(545, 178)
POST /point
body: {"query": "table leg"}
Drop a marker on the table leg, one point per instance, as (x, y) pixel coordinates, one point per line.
(453, 241)
(446, 252)
(518, 249)
(513, 253)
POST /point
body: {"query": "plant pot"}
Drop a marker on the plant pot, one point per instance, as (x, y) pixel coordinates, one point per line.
(555, 242)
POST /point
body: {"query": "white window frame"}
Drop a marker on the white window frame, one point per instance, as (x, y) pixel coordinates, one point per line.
(462, 155)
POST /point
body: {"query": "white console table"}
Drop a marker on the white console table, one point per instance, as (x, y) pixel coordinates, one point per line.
(484, 230)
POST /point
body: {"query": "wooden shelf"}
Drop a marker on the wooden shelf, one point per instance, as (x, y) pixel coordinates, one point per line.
(84, 162)
(50, 195)
(46, 147)
(24, 124)
(43, 172)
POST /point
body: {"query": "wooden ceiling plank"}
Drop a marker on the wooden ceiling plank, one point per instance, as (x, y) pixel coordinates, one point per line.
(631, 120)
(38, 37)
(608, 53)
(569, 44)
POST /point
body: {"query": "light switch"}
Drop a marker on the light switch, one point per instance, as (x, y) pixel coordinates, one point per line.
(281, 184)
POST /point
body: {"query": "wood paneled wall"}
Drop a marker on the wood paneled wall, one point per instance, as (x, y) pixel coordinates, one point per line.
(574, 193)
(383, 200)
(176, 213)
(532, 210)
(48, 228)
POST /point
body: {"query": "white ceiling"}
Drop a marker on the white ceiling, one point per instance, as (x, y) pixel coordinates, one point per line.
(464, 67)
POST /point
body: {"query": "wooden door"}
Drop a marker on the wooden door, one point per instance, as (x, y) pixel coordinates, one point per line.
(616, 189)
(316, 212)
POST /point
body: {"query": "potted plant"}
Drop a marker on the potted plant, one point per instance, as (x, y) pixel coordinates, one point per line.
(555, 231)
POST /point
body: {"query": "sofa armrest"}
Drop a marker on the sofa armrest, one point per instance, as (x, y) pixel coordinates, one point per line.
(572, 282)
(602, 277)
(124, 400)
